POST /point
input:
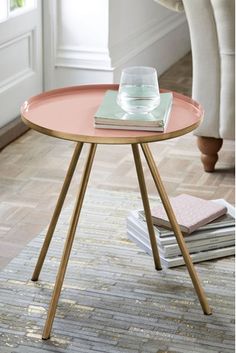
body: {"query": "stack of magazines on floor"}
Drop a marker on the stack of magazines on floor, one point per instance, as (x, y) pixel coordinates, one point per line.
(208, 228)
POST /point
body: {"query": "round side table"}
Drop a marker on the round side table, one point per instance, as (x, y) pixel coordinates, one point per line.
(68, 113)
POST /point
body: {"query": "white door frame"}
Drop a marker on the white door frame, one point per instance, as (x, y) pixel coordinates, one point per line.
(21, 73)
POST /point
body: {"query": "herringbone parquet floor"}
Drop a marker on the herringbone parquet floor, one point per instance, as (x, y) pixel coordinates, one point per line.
(33, 167)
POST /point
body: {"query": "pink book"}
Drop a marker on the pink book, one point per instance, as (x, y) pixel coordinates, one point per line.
(191, 213)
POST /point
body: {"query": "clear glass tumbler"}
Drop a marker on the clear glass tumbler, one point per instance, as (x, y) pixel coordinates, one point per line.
(138, 90)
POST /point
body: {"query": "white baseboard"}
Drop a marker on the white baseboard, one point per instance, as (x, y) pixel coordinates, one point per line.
(83, 58)
(161, 51)
(145, 37)
(158, 43)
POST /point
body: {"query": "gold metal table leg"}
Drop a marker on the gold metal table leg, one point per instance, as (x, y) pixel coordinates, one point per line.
(146, 206)
(68, 244)
(57, 211)
(179, 237)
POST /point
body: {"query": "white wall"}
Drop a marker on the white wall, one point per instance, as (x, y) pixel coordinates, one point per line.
(91, 41)
(82, 33)
(141, 32)
(76, 14)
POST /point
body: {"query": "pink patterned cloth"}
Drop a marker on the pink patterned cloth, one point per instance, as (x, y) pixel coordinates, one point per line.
(191, 212)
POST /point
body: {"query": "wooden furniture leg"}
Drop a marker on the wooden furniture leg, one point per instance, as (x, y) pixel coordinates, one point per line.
(146, 206)
(68, 244)
(179, 237)
(209, 148)
(57, 211)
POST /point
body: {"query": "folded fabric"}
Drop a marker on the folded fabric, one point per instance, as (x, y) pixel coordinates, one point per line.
(191, 212)
(176, 5)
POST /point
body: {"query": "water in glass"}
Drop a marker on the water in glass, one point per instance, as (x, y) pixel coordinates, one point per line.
(138, 91)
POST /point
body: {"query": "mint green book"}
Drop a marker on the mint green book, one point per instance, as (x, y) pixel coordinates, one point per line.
(111, 116)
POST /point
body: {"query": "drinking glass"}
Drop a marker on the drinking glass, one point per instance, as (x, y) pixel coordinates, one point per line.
(138, 90)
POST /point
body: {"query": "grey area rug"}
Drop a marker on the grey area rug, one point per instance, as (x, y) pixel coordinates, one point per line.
(113, 300)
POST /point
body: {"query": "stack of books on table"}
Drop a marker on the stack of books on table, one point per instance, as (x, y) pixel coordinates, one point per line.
(111, 116)
(212, 240)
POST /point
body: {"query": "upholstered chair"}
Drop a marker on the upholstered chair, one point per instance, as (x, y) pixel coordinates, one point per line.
(211, 26)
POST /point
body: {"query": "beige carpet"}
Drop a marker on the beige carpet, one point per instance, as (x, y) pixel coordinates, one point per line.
(113, 300)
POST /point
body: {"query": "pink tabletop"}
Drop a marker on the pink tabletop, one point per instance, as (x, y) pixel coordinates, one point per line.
(68, 113)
